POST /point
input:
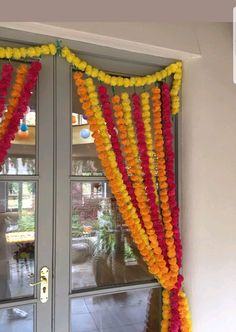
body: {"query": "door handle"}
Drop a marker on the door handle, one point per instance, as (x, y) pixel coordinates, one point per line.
(44, 275)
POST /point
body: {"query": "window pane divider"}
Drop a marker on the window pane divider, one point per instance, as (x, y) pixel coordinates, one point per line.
(88, 178)
(15, 303)
(19, 177)
(113, 290)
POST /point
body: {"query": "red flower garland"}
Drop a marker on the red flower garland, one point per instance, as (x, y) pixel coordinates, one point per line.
(147, 174)
(170, 157)
(21, 109)
(7, 70)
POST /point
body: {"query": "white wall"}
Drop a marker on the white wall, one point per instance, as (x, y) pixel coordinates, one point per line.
(209, 181)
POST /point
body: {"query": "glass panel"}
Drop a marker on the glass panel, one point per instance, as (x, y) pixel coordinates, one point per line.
(103, 252)
(85, 161)
(21, 157)
(17, 319)
(17, 238)
(131, 311)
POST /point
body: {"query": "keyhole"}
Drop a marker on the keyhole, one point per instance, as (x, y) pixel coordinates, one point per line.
(44, 289)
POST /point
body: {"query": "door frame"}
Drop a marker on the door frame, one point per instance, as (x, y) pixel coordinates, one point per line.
(44, 196)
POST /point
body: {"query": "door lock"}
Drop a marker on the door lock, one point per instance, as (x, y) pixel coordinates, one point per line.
(44, 275)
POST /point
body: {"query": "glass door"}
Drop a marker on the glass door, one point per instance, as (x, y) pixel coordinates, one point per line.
(26, 215)
(102, 283)
(57, 215)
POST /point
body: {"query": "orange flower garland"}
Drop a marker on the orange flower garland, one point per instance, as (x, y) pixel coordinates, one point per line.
(13, 100)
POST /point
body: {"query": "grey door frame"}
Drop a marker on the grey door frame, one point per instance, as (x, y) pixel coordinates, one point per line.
(44, 195)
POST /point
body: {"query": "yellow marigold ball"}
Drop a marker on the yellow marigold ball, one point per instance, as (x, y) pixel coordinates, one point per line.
(9, 52)
(88, 70)
(37, 51)
(65, 51)
(16, 53)
(82, 65)
(23, 52)
(52, 49)
(2, 53)
(101, 75)
(126, 82)
(107, 79)
(45, 49)
(120, 81)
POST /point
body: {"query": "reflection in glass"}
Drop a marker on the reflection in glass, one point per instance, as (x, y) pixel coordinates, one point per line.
(22, 154)
(17, 238)
(131, 311)
(103, 252)
(17, 319)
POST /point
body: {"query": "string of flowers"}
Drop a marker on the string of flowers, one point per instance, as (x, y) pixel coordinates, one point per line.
(150, 189)
(163, 185)
(126, 105)
(146, 115)
(133, 165)
(27, 52)
(136, 175)
(7, 70)
(169, 159)
(174, 69)
(21, 109)
(107, 113)
(13, 99)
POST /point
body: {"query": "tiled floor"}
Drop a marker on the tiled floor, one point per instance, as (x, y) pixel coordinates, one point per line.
(17, 325)
(125, 312)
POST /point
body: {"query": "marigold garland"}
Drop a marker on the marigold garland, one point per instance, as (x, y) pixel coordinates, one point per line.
(7, 70)
(163, 185)
(107, 113)
(174, 69)
(137, 180)
(105, 153)
(131, 143)
(170, 176)
(19, 108)
(146, 115)
(150, 189)
(13, 100)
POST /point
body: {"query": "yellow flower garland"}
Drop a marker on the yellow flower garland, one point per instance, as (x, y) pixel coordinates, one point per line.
(146, 115)
(174, 69)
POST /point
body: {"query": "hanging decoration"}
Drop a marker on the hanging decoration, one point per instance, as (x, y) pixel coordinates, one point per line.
(134, 140)
(174, 69)
(133, 135)
(25, 81)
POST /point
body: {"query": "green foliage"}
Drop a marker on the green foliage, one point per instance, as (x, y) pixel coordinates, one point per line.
(26, 223)
(77, 228)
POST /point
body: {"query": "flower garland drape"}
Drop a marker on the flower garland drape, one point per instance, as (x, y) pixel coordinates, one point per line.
(132, 152)
(134, 140)
(12, 111)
